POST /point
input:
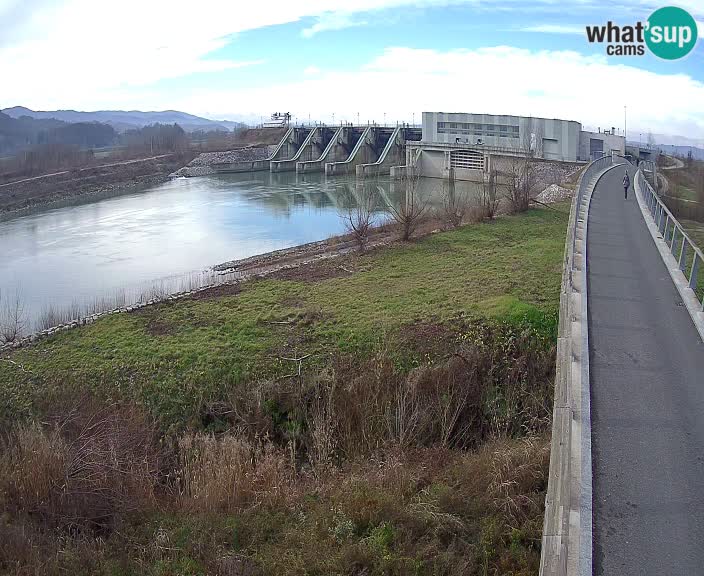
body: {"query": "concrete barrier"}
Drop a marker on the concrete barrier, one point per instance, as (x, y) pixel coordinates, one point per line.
(567, 528)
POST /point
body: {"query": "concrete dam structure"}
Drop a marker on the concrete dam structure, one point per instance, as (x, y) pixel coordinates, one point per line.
(375, 152)
(311, 148)
(362, 150)
(338, 149)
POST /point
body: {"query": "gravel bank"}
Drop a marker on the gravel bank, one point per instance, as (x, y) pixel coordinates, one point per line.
(202, 164)
(554, 193)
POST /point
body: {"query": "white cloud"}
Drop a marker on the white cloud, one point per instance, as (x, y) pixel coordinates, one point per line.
(331, 21)
(89, 54)
(499, 80)
(554, 29)
(311, 71)
(59, 52)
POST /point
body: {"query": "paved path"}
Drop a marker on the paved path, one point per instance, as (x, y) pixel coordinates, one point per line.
(676, 166)
(647, 386)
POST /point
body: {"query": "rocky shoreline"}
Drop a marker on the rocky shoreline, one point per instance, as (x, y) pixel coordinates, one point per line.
(202, 165)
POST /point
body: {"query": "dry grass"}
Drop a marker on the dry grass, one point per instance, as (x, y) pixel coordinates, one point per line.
(82, 470)
(228, 473)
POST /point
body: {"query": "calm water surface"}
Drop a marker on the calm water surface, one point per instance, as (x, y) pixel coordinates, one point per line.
(114, 249)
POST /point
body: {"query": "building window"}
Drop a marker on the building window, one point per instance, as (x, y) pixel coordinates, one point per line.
(473, 129)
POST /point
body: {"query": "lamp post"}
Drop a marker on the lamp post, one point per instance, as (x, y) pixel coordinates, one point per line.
(384, 118)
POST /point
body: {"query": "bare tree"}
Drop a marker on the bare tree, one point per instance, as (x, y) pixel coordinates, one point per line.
(520, 180)
(488, 198)
(358, 213)
(12, 320)
(455, 205)
(412, 209)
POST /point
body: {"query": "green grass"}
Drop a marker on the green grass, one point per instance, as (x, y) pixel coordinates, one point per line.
(685, 193)
(695, 230)
(175, 356)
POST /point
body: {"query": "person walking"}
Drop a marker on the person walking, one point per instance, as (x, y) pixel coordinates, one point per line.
(626, 184)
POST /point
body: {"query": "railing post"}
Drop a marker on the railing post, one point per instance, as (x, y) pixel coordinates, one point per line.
(683, 254)
(694, 273)
(673, 244)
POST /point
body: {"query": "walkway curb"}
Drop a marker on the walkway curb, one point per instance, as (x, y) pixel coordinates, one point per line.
(567, 530)
(688, 296)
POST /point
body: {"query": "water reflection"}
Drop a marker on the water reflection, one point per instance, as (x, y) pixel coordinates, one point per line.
(85, 252)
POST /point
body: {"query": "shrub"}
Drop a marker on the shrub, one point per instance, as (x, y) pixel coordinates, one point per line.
(83, 471)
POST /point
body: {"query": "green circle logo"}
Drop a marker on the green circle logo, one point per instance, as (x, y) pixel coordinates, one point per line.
(670, 33)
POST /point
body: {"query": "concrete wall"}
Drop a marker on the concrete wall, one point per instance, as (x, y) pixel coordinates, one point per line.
(609, 142)
(337, 150)
(549, 138)
(366, 151)
(394, 153)
(312, 147)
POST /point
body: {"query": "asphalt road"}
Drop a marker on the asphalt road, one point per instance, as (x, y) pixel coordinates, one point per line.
(647, 387)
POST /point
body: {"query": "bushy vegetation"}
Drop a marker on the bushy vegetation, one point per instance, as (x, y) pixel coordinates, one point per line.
(687, 185)
(383, 413)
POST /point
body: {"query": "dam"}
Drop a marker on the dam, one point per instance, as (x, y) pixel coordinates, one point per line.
(364, 151)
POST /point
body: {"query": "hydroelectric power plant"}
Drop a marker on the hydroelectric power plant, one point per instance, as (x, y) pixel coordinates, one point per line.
(454, 146)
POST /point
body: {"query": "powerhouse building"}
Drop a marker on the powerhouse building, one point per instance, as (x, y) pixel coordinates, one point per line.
(548, 138)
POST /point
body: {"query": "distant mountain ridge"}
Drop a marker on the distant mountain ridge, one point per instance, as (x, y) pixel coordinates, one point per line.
(122, 120)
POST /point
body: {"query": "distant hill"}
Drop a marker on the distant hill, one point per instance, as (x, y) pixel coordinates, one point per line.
(25, 132)
(681, 151)
(122, 120)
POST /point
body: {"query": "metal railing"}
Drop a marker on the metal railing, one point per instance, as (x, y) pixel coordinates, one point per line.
(681, 245)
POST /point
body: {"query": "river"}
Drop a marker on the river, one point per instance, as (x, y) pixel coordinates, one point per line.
(92, 254)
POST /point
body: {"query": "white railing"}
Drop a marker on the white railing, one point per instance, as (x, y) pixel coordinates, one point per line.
(681, 245)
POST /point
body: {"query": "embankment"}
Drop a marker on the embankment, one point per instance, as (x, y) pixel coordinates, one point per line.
(332, 415)
(116, 177)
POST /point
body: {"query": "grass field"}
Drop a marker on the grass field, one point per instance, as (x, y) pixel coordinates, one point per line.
(172, 357)
(375, 414)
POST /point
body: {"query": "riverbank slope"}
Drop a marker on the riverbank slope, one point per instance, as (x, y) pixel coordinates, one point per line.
(384, 412)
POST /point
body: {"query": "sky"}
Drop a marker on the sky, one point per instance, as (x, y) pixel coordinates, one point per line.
(325, 60)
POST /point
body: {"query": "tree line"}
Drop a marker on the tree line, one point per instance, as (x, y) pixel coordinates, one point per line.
(42, 146)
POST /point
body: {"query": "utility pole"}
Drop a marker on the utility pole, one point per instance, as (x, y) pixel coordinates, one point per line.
(414, 119)
(384, 118)
(625, 126)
